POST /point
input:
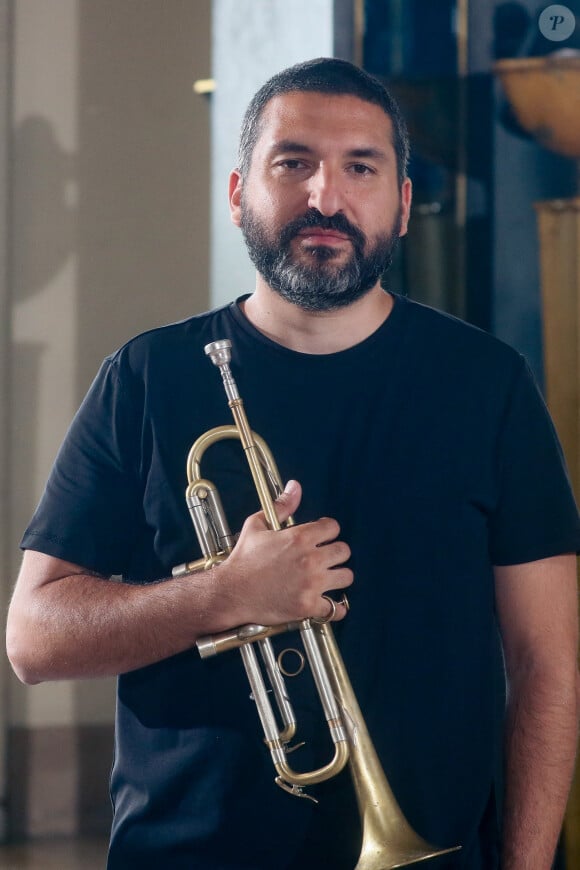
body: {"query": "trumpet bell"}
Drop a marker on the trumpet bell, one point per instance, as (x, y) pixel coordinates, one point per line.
(389, 841)
(372, 857)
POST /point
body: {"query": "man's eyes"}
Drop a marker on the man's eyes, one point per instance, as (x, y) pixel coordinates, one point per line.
(295, 163)
(291, 163)
(362, 169)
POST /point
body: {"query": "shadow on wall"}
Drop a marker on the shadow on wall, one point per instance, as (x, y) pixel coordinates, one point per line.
(45, 206)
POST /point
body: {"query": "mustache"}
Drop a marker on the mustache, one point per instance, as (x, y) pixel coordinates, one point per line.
(313, 218)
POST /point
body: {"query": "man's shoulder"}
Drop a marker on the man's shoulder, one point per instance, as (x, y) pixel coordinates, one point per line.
(170, 342)
(449, 337)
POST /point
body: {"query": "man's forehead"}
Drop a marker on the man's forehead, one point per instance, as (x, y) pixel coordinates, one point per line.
(312, 110)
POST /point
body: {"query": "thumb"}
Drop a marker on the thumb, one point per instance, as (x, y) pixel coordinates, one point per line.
(288, 501)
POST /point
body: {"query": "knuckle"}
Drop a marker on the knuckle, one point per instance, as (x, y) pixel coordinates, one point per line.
(341, 552)
(299, 535)
(343, 577)
(347, 576)
(332, 527)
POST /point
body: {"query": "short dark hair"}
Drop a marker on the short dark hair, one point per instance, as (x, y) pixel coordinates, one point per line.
(326, 75)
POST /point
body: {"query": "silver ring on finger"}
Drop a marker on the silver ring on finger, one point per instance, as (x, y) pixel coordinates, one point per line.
(322, 620)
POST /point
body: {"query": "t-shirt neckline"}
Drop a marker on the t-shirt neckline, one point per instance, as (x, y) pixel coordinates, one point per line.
(366, 346)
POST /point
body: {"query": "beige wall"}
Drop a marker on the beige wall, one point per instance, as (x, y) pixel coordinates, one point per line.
(5, 544)
(108, 235)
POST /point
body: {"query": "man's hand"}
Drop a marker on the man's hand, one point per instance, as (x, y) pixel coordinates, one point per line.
(272, 577)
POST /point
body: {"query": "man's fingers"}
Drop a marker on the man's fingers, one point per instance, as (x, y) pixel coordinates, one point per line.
(285, 505)
(288, 501)
(334, 554)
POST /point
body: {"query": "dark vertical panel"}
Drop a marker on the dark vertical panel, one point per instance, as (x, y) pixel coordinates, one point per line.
(411, 46)
(344, 25)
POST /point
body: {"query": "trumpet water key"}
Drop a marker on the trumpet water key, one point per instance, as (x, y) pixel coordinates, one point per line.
(388, 840)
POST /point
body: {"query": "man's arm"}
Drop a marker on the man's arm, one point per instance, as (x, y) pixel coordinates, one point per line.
(65, 622)
(538, 615)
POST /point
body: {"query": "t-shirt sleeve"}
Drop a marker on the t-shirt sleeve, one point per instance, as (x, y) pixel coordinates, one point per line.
(92, 505)
(536, 515)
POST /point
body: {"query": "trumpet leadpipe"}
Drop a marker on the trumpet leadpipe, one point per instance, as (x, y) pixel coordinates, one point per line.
(213, 644)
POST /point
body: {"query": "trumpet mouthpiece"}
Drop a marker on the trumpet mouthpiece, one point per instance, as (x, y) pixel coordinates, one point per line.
(219, 352)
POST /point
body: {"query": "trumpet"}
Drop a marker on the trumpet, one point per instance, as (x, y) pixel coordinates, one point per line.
(388, 840)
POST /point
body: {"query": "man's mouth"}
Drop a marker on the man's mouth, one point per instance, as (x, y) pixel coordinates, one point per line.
(319, 236)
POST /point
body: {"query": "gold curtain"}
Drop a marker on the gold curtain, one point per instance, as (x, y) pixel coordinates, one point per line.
(559, 231)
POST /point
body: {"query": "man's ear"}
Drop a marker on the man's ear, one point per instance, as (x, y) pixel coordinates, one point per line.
(235, 196)
(406, 197)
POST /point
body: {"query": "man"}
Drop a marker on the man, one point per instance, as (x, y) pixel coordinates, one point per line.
(430, 474)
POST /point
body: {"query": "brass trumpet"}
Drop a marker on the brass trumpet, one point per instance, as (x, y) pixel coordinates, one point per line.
(388, 840)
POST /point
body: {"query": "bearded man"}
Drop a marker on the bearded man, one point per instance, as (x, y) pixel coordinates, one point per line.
(431, 487)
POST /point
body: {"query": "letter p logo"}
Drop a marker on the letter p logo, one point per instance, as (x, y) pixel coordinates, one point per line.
(557, 23)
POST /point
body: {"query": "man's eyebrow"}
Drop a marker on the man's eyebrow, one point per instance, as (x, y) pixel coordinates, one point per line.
(292, 146)
(370, 152)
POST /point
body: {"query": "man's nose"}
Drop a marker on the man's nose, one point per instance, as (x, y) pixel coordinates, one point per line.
(325, 193)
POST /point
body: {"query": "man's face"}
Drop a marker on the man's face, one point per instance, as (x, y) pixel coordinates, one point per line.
(320, 207)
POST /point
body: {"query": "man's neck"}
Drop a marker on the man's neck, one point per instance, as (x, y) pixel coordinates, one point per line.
(316, 332)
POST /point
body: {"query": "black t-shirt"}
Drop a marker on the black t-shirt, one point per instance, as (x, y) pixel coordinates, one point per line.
(431, 446)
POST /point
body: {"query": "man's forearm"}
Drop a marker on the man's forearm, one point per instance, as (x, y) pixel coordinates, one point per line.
(85, 626)
(540, 748)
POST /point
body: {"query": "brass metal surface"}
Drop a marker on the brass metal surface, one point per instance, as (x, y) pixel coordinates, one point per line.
(544, 93)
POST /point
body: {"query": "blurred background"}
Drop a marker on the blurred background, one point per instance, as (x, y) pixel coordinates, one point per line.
(119, 123)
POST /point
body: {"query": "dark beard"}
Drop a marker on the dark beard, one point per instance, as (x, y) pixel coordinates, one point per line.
(321, 285)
